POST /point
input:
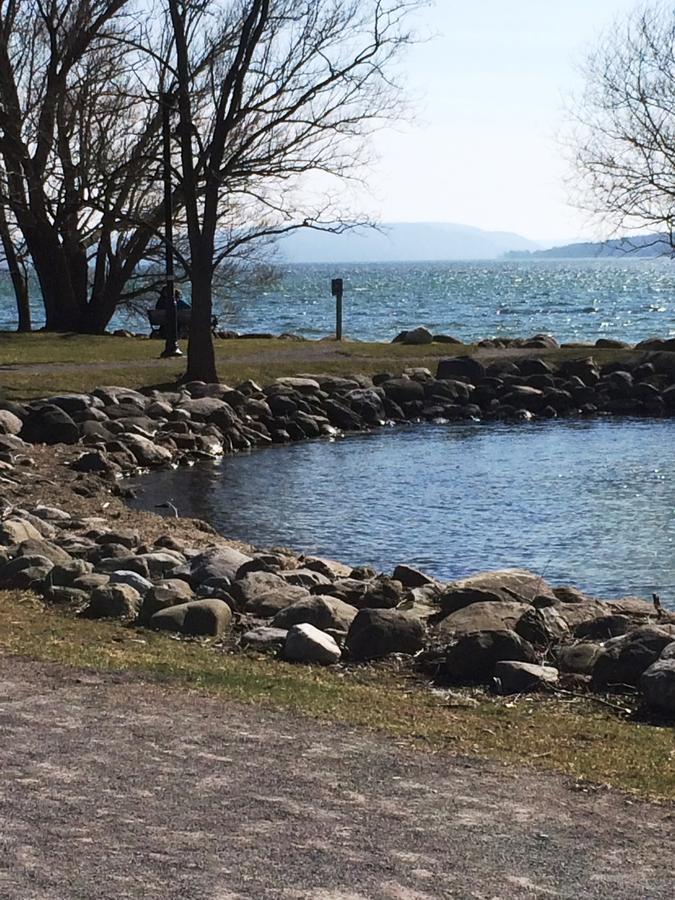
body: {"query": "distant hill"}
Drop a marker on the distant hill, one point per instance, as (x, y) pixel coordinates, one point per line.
(401, 242)
(645, 246)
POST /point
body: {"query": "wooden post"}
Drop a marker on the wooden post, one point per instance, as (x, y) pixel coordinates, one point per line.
(336, 287)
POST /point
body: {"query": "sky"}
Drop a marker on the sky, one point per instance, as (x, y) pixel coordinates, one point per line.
(489, 92)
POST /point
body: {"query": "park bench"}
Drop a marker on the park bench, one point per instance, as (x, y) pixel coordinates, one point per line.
(157, 320)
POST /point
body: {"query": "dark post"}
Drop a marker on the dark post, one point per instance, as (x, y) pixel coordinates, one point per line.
(171, 347)
(336, 287)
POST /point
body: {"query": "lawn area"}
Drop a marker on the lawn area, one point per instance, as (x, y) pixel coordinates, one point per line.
(577, 737)
(36, 365)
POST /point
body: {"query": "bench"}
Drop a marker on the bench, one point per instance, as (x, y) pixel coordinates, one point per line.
(157, 320)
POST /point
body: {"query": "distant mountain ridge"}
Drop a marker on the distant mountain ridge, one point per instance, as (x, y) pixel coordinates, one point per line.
(402, 242)
(644, 246)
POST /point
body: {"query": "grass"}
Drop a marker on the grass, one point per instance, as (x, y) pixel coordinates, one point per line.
(39, 364)
(578, 738)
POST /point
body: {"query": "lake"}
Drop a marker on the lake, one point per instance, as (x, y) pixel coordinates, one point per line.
(589, 503)
(575, 300)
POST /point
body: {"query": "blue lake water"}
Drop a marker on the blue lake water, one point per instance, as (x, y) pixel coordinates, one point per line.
(574, 300)
(590, 504)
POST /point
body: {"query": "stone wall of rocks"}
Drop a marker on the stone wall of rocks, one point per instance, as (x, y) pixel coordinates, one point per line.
(508, 630)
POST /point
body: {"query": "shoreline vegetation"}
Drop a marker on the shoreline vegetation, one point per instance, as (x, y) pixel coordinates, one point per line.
(555, 679)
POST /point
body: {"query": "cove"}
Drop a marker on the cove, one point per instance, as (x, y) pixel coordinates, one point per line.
(588, 503)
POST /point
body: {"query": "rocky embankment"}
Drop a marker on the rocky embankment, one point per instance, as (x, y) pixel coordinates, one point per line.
(508, 630)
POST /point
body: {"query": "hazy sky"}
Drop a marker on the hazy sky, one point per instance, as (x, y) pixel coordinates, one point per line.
(490, 91)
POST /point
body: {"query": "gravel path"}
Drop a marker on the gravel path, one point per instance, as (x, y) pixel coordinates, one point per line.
(114, 788)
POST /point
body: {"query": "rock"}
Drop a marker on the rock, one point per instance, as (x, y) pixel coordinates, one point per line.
(305, 643)
(163, 563)
(304, 578)
(472, 658)
(133, 579)
(9, 423)
(51, 514)
(127, 537)
(411, 578)
(14, 530)
(521, 677)
(657, 684)
(40, 547)
(488, 616)
(110, 564)
(668, 652)
(416, 336)
(221, 562)
(254, 584)
(403, 390)
(264, 638)
(65, 574)
(377, 593)
(578, 658)
(460, 367)
(47, 424)
(113, 601)
(505, 585)
(209, 618)
(146, 452)
(328, 567)
(89, 583)
(624, 659)
(162, 596)
(269, 603)
(323, 612)
(25, 572)
(542, 627)
(603, 628)
(379, 632)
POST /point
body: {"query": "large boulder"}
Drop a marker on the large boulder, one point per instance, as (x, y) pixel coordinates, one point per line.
(403, 390)
(460, 367)
(305, 643)
(542, 627)
(578, 659)
(410, 577)
(15, 530)
(625, 658)
(417, 336)
(9, 423)
(48, 424)
(25, 572)
(206, 618)
(505, 585)
(381, 592)
(657, 684)
(118, 601)
(325, 613)
(521, 677)
(379, 632)
(472, 658)
(210, 618)
(220, 562)
(252, 585)
(146, 452)
(268, 603)
(490, 616)
(41, 547)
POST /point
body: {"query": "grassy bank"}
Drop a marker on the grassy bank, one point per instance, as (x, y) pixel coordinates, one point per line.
(36, 365)
(578, 738)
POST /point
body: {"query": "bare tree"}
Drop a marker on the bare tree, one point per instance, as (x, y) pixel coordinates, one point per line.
(624, 142)
(293, 89)
(79, 138)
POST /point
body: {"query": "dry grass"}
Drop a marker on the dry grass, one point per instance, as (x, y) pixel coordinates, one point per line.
(578, 738)
(36, 365)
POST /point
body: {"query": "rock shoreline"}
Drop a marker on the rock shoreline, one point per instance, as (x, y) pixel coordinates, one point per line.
(508, 630)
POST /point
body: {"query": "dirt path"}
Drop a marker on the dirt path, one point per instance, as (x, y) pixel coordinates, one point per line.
(113, 788)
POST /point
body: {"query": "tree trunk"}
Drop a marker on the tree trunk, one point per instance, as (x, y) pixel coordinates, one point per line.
(18, 276)
(63, 309)
(201, 361)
